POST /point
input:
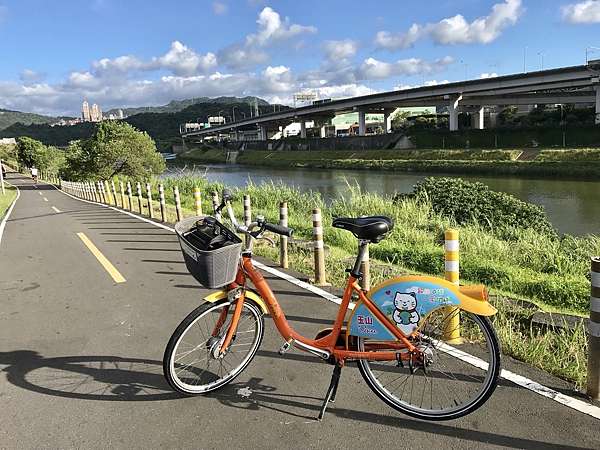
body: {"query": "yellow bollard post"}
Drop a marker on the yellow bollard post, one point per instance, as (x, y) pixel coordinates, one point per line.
(109, 199)
(149, 195)
(122, 188)
(129, 196)
(114, 192)
(593, 374)
(197, 201)
(139, 195)
(451, 333)
(283, 240)
(177, 203)
(163, 206)
(318, 247)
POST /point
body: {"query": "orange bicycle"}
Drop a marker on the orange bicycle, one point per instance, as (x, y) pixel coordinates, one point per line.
(422, 344)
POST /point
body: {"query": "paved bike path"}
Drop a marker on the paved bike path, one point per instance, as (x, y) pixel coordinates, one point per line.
(81, 356)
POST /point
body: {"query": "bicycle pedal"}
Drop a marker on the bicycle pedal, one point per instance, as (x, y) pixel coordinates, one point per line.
(285, 347)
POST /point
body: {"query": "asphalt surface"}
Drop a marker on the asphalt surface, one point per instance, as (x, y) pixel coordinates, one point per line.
(80, 356)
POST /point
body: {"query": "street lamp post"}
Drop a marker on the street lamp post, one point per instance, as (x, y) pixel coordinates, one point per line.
(233, 112)
(589, 50)
(541, 55)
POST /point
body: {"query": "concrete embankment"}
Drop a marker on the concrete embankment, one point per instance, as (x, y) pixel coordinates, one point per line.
(567, 163)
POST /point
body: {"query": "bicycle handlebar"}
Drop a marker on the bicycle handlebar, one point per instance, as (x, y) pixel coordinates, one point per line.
(264, 226)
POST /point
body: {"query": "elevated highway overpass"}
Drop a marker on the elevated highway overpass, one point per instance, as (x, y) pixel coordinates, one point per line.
(567, 85)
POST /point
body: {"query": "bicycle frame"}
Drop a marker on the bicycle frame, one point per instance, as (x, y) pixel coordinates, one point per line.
(328, 342)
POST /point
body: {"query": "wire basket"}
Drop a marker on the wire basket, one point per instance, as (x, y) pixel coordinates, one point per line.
(211, 251)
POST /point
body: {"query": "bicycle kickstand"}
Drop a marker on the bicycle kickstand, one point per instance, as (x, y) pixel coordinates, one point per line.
(332, 391)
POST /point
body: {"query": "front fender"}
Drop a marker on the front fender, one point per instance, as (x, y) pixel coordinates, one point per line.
(222, 295)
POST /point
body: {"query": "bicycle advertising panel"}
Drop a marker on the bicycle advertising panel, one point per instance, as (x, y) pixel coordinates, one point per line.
(406, 301)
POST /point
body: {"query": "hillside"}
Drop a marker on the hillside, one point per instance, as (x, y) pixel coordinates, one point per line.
(179, 105)
(162, 127)
(8, 118)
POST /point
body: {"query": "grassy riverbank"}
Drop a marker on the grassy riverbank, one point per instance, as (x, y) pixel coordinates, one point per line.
(6, 199)
(568, 163)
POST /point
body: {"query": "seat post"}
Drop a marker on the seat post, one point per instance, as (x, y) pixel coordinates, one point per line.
(363, 245)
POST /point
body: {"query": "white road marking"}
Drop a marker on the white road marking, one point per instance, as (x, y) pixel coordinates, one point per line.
(517, 379)
(45, 199)
(56, 210)
(40, 192)
(9, 210)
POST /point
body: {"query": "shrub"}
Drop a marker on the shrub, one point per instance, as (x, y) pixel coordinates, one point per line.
(467, 202)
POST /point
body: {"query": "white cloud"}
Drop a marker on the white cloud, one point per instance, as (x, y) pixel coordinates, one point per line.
(240, 57)
(184, 61)
(340, 50)
(583, 12)
(485, 75)
(456, 29)
(395, 41)
(219, 8)
(29, 76)
(373, 69)
(272, 29)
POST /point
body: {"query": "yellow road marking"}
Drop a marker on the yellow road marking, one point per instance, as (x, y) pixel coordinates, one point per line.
(112, 270)
(56, 209)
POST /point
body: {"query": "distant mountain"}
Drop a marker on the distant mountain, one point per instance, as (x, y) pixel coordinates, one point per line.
(8, 118)
(163, 127)
(178, 105)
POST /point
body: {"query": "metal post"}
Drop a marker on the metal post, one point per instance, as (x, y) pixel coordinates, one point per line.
(129, 196)
(283, 240)
(2, 179)
(122, 187)
(161, 199)
(365, 268)
(215, 202)
(109, 199)
(593, 374)
(198, 201)
(319, 253)
(99, 183)
(451, 332)
(177, 203)
(149, 194)
(139, 195)
(114, 192)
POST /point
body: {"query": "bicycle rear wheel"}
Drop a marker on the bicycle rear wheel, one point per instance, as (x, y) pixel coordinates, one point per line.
(452, 380)
(192, 363)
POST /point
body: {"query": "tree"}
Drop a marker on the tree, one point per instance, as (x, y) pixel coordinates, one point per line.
(31, 153)
(115, 148)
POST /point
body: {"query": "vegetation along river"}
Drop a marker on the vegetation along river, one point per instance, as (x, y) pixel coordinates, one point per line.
(572, 206)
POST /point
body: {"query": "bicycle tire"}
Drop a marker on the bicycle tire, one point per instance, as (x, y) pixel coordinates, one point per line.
(169, 369)
(481, 397)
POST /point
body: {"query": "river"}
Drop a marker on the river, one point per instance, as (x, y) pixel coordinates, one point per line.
(572, 206)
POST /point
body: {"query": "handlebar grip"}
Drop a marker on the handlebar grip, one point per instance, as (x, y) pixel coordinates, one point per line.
(279, 229)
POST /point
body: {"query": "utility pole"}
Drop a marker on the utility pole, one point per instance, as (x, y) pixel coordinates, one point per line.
(525, 60)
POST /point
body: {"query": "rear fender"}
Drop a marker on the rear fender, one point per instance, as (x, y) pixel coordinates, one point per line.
(222, 295)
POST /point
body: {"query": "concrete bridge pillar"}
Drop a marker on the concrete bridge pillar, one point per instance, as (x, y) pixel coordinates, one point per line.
(478, 119)
(324, 131)
(453, 111)
(362, 123)
(598, 105)
(387, 122)
(262, 133)
(303, 129)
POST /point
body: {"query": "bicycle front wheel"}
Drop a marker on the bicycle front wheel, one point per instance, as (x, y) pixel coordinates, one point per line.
(193, 363)
(450, 380)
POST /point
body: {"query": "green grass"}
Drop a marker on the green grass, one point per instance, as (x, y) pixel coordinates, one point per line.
(6, 199)
(580, 155)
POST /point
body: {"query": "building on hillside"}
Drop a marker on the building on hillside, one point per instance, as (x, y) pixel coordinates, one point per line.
(85, 112)
(96, 113)
(120, 114)
(8, 141)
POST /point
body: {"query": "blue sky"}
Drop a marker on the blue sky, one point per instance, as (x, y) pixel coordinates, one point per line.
(131, 53)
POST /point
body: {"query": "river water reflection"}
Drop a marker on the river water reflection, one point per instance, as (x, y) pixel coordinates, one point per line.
(572, 206)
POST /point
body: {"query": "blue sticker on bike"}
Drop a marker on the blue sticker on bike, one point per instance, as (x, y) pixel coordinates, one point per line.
(405, 302)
